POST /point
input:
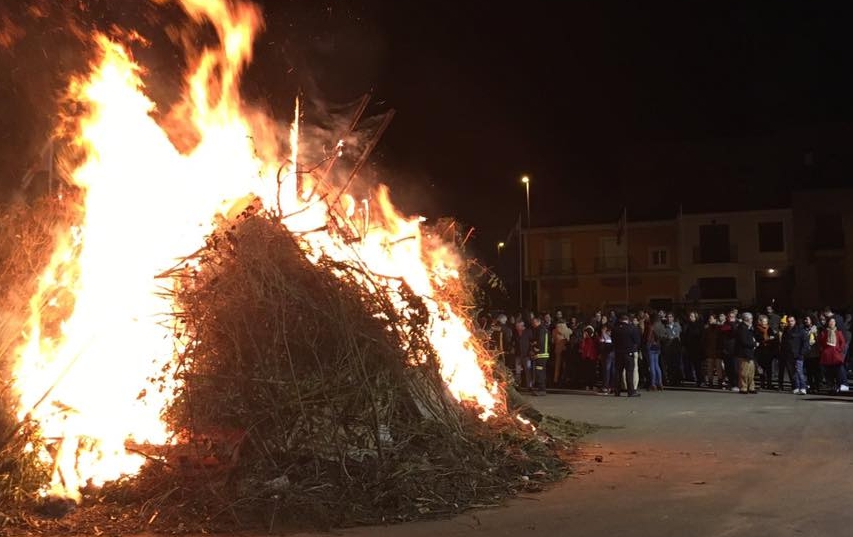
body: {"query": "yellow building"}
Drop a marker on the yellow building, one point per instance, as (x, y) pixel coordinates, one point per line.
(589, 267)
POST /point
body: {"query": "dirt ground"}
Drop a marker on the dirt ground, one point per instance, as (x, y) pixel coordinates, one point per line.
(684, 463)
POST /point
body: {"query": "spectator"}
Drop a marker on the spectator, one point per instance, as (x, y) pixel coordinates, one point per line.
(711, 344)
(588, 357)
(626, 340)
(671, 351)
(642, 355)
(812, 358)
(794, 347)
(502, 341)
(745, 345)
(540, 344)
(651, 341)
(773, 319)
(693, 345)
(561, 335)
(605, 349)
(728, 327)
(768, 349)
(831, 342)
(521, 354)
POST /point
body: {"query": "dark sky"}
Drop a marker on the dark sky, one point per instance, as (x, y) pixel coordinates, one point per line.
(646, 104)
(603, 103)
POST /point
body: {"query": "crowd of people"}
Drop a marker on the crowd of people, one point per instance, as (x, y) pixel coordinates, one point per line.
(734, 351)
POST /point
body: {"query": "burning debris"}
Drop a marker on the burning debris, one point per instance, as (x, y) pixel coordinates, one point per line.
(311, 360)
(309, 392)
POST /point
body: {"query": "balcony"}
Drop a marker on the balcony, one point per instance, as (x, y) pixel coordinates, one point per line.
(557, 267)
(711, 256)
(608, 264)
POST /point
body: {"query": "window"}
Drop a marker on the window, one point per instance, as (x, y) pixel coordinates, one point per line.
(771, 237)
(658, 258)
(558, 257)
(612, 256)
(714, 244)
(717, 288)
(829, 232)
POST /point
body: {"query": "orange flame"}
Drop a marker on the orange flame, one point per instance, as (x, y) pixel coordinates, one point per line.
(146, 206)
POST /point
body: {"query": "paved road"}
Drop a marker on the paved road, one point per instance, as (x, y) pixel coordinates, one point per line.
(685, 463)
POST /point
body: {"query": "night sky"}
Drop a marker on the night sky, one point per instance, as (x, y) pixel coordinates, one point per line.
(713, 105)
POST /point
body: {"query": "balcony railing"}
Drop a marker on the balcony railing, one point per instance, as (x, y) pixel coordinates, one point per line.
(613, 263)
(715, 256)
(557, 267)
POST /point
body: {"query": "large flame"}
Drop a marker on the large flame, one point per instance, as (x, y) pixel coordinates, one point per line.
(147, 205)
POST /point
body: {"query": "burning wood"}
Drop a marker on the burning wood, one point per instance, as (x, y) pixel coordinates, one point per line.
(331, 333)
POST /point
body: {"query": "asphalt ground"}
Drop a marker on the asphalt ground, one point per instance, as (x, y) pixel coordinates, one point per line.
(682, 463)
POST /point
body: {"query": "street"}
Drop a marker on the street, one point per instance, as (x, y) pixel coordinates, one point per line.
(684, 463)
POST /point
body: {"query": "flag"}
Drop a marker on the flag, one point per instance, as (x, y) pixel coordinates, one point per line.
(515, 229)
(621, 225)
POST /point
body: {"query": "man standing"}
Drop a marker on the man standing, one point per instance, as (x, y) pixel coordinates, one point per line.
(539, 351)
(773, 319)
(671, 350)
(728, 327)
(502, 341)
(626, 341)
(811, 361)
(521, 353)
(745, 344)
(795, 346)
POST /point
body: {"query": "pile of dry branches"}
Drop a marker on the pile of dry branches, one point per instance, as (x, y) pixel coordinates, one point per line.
(308, 396)
(299, 403)
(29, 233)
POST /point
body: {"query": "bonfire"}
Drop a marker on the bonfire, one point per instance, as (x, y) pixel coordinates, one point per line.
(217, 336)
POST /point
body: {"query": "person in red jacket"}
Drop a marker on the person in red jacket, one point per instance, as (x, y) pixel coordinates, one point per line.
(831, 342)
(589, 356)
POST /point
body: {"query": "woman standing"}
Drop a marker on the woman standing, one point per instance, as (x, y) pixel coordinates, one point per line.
(832, 343)
(651, 342)
(560, 336)
(588, 357)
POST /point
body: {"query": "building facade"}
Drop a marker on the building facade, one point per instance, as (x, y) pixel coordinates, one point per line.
(823, 247)
(586, 267)
(737, 257)
(801, 256)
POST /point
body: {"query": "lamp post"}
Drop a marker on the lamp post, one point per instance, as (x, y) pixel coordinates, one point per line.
(526, 182)
(500, 247)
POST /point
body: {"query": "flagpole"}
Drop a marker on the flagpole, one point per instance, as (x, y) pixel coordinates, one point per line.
(520, 266)
(627, 264)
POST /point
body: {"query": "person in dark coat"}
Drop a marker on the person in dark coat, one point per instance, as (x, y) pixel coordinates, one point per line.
(626, 341)
(521, 355)
(745, 345)
(692, 337)
(502, 341)
(540, 351)
(727, 340)
(794, 347)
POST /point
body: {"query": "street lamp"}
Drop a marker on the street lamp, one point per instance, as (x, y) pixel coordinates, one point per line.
(525, 180)
(500, 247)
